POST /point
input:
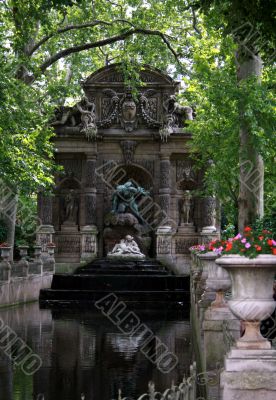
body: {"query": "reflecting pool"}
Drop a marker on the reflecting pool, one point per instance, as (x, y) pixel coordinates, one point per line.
(85, 357)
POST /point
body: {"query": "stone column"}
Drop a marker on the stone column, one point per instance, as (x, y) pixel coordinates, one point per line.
(45, 230)
(89, 245)
(90, 189)
(208, 217)
(165, 184)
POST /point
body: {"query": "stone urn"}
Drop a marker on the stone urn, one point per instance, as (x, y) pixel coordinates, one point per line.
(6, 252)
(207, 261)
(218, 281)
(51, 249)
(5, 264)
(252, 294)
(23, 251)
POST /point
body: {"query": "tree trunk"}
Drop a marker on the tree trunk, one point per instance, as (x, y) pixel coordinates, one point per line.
(251, 163)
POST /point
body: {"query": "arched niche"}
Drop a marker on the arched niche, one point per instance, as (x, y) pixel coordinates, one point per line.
(69, 186)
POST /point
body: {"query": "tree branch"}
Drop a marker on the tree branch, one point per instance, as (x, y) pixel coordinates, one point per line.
(103, 42)
(66, 29)
(195, 22)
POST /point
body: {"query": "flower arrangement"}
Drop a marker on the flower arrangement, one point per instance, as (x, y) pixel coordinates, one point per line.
(4, 245)
(198, 248)
(249, 244)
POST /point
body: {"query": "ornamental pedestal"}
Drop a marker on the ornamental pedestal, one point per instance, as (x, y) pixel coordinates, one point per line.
(89, 245)
(164, 244)
(252, 295)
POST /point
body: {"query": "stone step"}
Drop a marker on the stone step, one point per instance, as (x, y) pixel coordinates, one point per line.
(137, 297)
(120, 271)
(116, 283)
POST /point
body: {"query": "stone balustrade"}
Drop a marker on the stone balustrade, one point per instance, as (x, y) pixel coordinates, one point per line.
(21, 281)
(219, 348)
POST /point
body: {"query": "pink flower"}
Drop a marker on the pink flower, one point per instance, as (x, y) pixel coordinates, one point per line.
(247, 245)
(202, 248)
(238, 236)
(243, 240)
(273, 242)
(230, 240)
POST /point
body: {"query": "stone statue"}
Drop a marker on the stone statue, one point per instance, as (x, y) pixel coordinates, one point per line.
(180, 113)
(88, 118)
(125, 196)
(65, 115)
(70, 208)
(127, 248)
(174, 116)
(185, 208)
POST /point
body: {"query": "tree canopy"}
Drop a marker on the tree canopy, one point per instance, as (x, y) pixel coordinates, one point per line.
(49, 45)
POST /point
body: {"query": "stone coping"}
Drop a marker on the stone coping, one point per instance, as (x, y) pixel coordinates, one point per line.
(235, 260)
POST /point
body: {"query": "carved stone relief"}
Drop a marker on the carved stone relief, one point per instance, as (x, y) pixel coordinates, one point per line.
(45, 209)
(88, 126)
(68, 243)
(184, 171)
(90, 209)
(174, 116)
(164, 245)
(72, 167)
(165, 174)
(91, 173)
(182, 245)
(164, 202)
(90, 244)
(128, 148)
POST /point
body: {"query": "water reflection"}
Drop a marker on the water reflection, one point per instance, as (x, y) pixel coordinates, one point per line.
(86, 357)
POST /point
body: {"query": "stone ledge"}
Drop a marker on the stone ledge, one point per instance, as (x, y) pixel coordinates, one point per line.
(259, 361)
(249, 380)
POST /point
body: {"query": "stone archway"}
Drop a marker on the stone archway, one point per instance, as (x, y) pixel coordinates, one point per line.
(117, 227)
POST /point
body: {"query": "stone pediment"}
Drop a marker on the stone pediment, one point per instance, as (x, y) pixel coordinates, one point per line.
(109, 104)
(112, 75)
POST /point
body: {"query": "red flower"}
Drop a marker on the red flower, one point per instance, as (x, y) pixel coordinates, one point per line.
(247, 229)
(258, 248)
(274, 251)
(261, 238)
(269, 242)
(228, 246)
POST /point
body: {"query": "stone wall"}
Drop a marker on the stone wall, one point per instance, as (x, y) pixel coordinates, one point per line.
(23, 290)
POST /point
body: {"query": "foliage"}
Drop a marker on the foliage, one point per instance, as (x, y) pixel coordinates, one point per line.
(25, 151)
(49, 45)
(266, 223)
(212, 86)
(228, 232)
(250, 21)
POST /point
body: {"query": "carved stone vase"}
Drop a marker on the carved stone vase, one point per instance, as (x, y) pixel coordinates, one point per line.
(218, 281)
(207, 261)
(5, 265)
(252, 294)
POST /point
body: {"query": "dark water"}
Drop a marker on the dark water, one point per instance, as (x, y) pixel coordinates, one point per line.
(84, 356)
